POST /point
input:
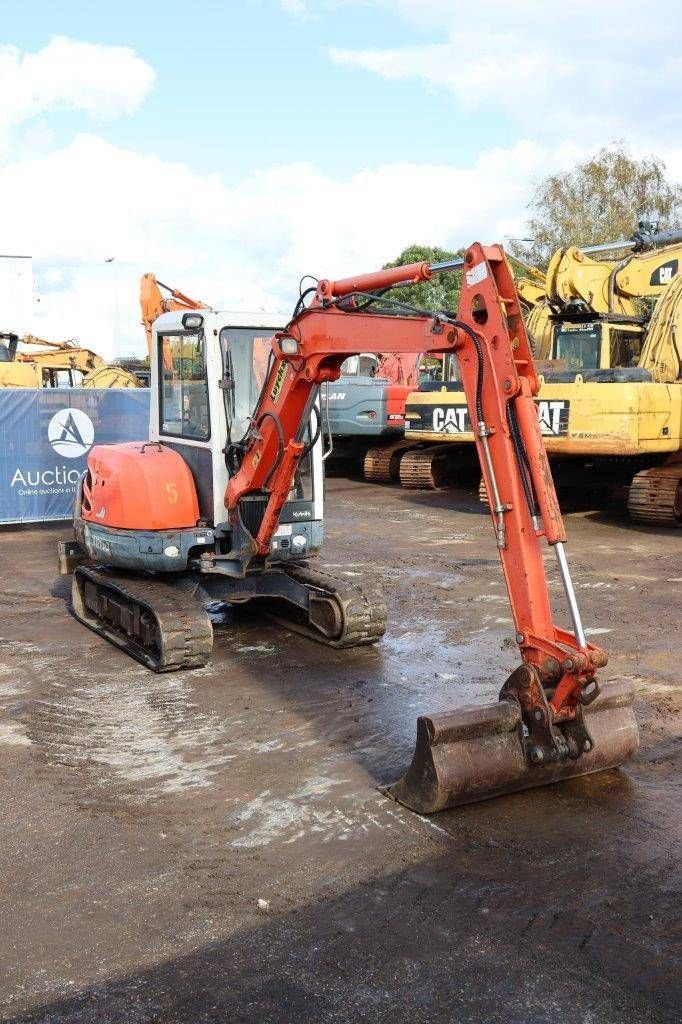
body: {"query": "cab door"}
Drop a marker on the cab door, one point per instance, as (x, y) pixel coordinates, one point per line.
(184, 407)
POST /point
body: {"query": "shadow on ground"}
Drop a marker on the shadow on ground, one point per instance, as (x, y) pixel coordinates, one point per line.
(425, 944)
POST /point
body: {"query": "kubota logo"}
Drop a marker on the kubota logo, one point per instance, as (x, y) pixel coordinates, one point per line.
(71, 433)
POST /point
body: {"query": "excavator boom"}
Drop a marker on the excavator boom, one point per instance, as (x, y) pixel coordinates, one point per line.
(545, 697)
(153, 303)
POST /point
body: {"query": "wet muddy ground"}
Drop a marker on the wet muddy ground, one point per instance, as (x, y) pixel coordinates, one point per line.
(213, 845)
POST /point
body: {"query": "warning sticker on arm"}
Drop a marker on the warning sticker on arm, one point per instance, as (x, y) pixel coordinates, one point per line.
(477, 274)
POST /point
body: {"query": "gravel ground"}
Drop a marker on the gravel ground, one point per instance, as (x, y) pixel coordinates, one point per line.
(213, 845)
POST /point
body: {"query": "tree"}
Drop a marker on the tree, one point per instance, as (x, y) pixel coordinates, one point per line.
(133, 363)
(441, 292)
(599, 201)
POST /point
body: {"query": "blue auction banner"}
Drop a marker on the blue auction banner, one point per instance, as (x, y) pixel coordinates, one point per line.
(45, 437)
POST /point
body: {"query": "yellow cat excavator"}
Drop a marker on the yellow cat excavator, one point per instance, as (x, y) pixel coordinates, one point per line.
(57, 364)
(610, 364)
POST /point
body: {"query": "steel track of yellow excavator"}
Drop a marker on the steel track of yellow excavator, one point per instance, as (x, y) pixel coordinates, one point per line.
(655, 496)
(427, 469)
(382, 464)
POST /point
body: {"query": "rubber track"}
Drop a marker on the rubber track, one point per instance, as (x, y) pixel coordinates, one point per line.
(363, 608)
(184, 627)
(654, 497)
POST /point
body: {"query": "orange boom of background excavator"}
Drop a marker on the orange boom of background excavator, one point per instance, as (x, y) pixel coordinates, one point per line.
(553, 719)
(153, 303)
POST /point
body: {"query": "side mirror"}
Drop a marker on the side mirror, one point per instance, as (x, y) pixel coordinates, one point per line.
(192, 321)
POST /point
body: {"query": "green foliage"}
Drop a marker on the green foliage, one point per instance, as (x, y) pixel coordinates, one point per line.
(132, 363)
(599, 201)
(441, 292)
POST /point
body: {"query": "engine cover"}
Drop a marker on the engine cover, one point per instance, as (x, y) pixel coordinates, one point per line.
(139, 486)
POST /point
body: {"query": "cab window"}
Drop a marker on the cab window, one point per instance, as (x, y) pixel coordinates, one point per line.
(53, 378)
(626, 348)
(246, 361)
(578, 347)
(366, 364)
(184, 386)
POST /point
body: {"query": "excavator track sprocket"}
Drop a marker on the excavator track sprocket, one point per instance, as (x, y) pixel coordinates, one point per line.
(359, 613)
(382, 465)
(160, 624)
(426, 468)
(655, 496)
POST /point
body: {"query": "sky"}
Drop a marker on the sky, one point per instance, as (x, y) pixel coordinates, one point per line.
(231, 147)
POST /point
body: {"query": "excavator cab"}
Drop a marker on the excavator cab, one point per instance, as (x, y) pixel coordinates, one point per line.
(207, 372)
(584, 344)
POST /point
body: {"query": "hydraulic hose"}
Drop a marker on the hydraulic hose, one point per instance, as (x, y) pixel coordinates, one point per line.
(522, 460)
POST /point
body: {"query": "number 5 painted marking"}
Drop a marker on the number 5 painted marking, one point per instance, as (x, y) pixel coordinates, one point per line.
(172, 492)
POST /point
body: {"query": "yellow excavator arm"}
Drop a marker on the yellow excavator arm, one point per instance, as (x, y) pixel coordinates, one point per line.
(37, 367)
(60, 355)
(662, 351)
(577, 280)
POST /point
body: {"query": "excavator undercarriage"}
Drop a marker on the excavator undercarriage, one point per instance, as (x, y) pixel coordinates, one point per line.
(163, 622)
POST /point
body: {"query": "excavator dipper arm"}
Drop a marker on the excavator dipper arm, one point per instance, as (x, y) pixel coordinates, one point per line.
(557, 678)
(153, 303)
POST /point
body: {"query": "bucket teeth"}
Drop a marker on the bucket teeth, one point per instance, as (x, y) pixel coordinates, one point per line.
(480, 752)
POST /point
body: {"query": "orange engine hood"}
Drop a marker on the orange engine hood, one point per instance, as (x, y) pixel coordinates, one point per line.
(139, 486)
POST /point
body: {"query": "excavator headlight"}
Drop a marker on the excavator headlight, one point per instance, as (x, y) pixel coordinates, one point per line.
(192, 321)
(288, 345)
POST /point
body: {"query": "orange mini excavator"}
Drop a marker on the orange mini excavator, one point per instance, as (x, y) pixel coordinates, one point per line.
(141, 504)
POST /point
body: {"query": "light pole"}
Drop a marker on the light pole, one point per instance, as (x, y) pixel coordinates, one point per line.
(117, 339)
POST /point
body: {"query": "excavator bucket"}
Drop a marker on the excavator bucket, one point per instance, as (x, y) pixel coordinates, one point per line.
(476, 753)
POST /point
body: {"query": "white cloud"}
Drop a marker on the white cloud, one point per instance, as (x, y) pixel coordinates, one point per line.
(102, 81)
(590, 73)
(241, 247)
(477, 68)
(295, 7)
